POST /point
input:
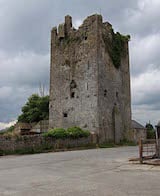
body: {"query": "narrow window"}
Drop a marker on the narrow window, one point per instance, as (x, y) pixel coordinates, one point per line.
(88, 64)
(86, 85)
(117, 94)
(65, 115)
(73, 86)
(105, 93)
(67, 62)
(72, 94)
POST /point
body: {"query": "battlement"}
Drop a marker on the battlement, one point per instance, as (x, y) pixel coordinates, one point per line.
(66, 29)
(93, 31)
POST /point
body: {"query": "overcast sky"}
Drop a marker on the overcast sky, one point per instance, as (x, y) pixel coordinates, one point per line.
(25, 43)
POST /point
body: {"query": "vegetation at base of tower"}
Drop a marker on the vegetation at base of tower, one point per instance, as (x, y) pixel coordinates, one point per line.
(36, 109)
(72, 132)
(118, 48)
(150, 131)
(57, 133)
(76, 132)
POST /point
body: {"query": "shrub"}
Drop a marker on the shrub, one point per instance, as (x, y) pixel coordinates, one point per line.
(150, 131)
(73, 132)
(57, 133)
(76, 132)
(151, 134)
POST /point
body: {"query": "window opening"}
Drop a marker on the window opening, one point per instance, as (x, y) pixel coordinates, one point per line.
(65, 114)
(105, 93)
(72, 94)
(117, 94)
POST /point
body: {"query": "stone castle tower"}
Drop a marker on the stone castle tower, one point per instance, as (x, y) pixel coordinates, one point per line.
(90, 79)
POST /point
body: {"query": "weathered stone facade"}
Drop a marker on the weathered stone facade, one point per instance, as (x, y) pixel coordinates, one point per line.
(86, 88)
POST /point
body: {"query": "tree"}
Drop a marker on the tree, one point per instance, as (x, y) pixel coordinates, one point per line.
(36, 109)
(150, 131)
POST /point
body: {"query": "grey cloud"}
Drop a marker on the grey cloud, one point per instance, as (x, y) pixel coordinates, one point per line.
(25, 45)
(25, 69)
(146, 95)
(27, 24)
(144, 19)
(145, 53)
(11, 103)
(145, 114)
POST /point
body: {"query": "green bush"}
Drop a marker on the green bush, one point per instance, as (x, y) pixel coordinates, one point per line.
(73, 132)
(150, 131)
(76, 132)
(151, 134)
(57, 133)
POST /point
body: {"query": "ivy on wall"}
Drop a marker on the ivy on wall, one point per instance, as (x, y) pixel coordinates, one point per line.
(116, 47)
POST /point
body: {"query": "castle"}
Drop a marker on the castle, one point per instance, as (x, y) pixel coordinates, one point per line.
(90, 79)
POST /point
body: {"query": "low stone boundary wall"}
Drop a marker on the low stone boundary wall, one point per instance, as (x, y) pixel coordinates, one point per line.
(39, 143)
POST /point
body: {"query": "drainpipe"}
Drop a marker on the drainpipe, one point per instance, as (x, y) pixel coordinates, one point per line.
(157, 143)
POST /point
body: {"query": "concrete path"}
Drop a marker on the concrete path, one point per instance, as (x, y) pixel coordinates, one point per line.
(98, 172)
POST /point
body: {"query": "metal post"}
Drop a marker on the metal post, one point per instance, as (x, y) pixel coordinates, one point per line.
(140, 151)
(157, 145)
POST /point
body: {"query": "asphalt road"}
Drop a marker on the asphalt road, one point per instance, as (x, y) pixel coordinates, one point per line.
(98, 172)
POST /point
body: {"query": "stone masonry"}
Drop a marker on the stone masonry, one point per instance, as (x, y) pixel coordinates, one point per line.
(86, 88)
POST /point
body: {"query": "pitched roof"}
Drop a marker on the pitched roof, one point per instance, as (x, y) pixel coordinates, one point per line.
(24, 125)
(136, 125)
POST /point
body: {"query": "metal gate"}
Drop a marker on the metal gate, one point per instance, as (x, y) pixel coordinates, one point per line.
(148, 149)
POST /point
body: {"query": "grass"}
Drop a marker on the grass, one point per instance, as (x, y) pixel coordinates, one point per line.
(112, 144)
(107, 145)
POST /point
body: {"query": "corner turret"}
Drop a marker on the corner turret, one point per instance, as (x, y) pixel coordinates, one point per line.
(68, 24)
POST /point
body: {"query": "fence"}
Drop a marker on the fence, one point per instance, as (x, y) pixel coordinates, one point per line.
(149, 149)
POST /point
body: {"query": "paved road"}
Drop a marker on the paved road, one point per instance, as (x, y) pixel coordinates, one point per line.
(98, 172)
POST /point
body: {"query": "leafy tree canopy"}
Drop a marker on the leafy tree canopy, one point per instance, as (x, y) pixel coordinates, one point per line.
(36, 109)
(149, 126)
(150, 131)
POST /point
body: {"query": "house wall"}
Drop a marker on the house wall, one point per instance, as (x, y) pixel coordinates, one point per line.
(136, 134)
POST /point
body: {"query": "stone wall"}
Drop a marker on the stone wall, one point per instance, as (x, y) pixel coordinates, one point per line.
(39, 143)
